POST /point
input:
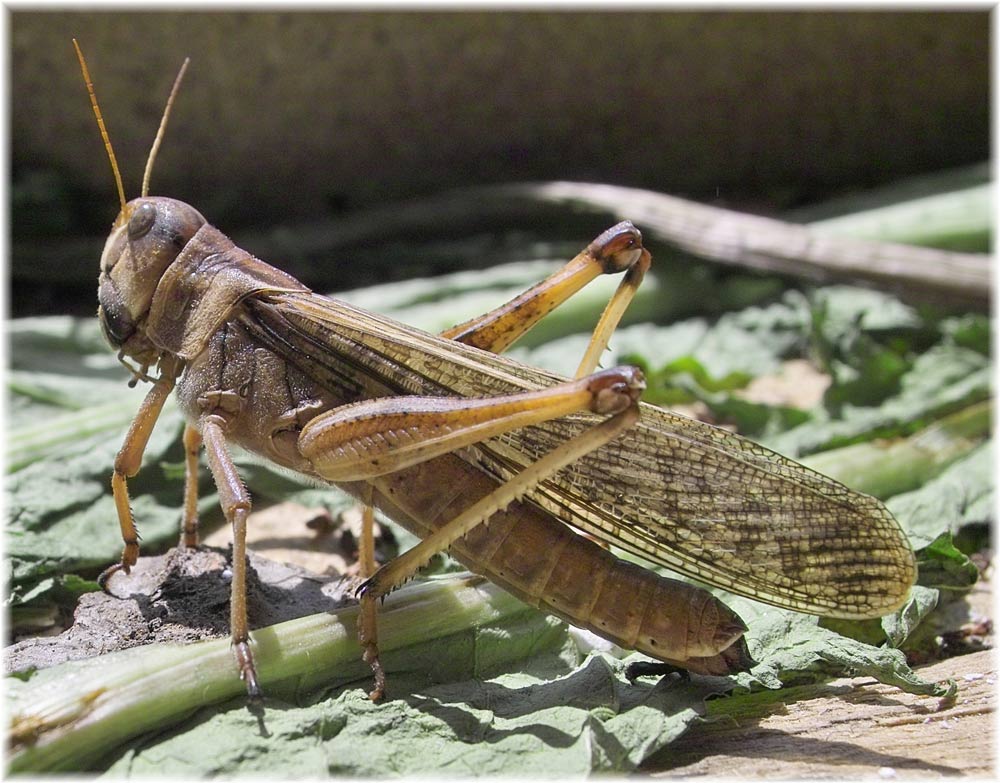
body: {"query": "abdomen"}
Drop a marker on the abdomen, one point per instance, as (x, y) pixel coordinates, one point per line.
(546, 564)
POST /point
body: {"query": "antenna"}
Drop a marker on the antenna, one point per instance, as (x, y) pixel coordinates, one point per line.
(100, 124)
(163, 126)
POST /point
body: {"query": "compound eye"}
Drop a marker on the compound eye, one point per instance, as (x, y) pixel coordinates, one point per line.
(141, 221)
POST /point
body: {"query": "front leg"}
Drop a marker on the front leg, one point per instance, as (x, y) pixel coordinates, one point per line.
(128, 461)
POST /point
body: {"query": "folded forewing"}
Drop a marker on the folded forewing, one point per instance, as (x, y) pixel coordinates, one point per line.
(678, 492)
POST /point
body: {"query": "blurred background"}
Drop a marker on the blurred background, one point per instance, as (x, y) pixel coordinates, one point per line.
(299, 133)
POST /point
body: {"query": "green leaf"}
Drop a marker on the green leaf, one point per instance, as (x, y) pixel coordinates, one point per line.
(970, 330)
(519, 724)
(899, 626)
(962, 495)
(690, 366)
(940, 381)
(794, 649)
(61, 517)
(943, 567)
(753, 419)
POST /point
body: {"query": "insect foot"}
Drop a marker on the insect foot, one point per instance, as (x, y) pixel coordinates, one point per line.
(244, 661)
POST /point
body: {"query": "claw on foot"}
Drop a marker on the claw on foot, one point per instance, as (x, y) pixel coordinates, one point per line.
(244, 660)
(371, 658)
(653, 669)
(107, 573)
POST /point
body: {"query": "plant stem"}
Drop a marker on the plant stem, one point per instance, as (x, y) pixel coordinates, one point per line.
(67, 716)
(889, 467)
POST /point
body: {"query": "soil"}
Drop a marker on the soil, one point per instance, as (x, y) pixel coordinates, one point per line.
(181, 596)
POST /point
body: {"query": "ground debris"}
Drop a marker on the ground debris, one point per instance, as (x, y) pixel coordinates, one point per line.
(182, 596)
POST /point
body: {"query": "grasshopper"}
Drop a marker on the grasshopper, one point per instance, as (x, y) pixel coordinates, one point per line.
(525, 476)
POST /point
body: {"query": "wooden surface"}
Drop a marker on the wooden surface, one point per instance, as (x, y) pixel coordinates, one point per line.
(852, 729)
